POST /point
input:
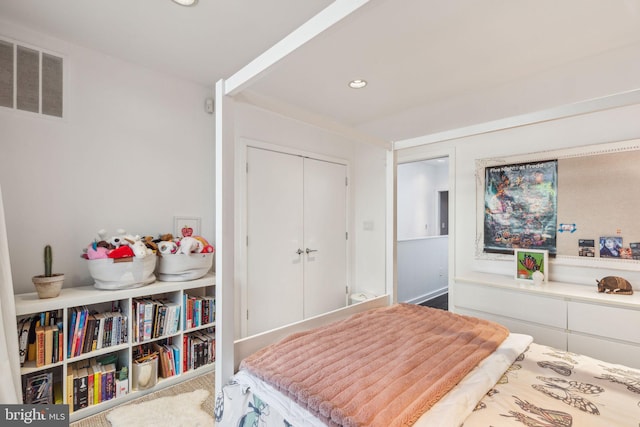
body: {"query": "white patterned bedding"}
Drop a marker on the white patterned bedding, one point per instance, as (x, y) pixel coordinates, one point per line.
(544, 387)
(550, 388)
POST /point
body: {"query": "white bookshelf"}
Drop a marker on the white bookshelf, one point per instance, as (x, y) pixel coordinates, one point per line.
(29, 304)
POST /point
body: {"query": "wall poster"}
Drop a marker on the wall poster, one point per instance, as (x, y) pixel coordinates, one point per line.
(520, 206)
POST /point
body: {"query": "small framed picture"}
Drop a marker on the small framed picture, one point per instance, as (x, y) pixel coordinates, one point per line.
(529, 261)
(184, 226)
(610, 246)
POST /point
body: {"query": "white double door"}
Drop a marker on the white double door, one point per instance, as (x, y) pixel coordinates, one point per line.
(296, 238)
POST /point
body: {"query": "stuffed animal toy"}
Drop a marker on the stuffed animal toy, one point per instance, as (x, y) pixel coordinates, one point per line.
(97, 252)
(189, 245)
(167, 247)
(149, 243)
(121, 252)
(139, 249)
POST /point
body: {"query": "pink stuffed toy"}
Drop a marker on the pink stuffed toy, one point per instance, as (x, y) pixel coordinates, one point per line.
(97, 252)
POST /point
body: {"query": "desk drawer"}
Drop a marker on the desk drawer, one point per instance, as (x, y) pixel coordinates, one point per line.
(512, 303)
(605, 321)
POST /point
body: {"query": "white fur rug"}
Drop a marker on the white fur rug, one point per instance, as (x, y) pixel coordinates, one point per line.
(182, 410)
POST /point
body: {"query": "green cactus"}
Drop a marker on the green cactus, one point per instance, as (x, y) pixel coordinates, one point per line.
(48, 260)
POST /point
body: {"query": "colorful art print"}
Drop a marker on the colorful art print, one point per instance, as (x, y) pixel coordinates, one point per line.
(528, 261)
(520, 207)
(610, 246)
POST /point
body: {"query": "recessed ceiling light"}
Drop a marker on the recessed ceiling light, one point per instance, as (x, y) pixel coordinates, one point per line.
(357, 84)
(186, 2)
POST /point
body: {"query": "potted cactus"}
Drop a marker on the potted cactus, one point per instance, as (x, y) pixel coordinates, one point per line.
(49, 284)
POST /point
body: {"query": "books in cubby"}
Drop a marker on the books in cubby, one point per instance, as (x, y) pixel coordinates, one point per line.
(154, 318)
(169, 358)
(38, 388)
(199, 349)
(93, 381)
(199, 310)
(40, 338)
(89, 331)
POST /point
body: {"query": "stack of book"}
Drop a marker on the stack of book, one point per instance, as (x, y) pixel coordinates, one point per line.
(198, 310)
(40, 338)
(169, 359)
(154, 318)
(38, 389)
(199, 349)
(93, 331)
(90, 382)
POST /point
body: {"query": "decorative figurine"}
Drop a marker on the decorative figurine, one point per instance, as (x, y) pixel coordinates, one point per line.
(614, 285)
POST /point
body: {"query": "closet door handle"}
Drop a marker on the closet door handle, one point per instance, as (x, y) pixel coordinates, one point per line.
(308, 251)
(299, 251)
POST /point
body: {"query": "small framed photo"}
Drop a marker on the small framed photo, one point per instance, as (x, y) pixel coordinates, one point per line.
(610, 246)
(184, 226)
(529, 261)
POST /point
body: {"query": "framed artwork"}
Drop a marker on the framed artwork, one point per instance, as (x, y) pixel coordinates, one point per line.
(529, 261)
(186, 226)
(520, 206)
(610, 246)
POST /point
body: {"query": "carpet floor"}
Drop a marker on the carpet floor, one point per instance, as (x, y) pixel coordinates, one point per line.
(204, 381)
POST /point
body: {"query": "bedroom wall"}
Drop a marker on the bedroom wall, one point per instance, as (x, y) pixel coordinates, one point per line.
(135, 149)
(417, 192)
(605, 126)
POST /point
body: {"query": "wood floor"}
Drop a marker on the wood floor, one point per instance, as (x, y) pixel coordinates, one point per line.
(441, 302)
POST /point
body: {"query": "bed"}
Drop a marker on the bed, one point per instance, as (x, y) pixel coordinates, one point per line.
(405, 364)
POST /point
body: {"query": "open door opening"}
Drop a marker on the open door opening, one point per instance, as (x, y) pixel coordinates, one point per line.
(422, 234)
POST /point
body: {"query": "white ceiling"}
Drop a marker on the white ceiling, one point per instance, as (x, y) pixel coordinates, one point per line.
(431, 64)
(204, 43)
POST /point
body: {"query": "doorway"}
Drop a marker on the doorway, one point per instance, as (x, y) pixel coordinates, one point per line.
(296, 238)
(422, 230)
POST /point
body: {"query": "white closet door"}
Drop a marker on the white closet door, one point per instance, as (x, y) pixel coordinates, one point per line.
(325, 227)
(274, 231)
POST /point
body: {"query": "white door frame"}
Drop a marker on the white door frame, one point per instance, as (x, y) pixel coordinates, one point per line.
(427, 152)
(241, 225)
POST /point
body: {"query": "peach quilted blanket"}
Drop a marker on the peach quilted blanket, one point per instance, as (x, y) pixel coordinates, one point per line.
(383, 367)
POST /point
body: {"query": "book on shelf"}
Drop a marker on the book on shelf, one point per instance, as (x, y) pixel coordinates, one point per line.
(23, 338)
(55, 338)
(58, 393)
(40, 345)
(70, 396)
(148, 320)
(38, 388)
(108, 381)
(176, 359)
(48, 344)
(87, 341)
(73, 314)
(79, 330)
(81, 389)
(83, 331)
(97, 383)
